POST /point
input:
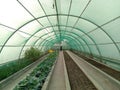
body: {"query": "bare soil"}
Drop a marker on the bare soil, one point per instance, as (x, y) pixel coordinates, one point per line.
(114, 73)
(78, 80)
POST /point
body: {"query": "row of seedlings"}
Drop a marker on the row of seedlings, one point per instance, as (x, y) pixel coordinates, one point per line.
(37, 77)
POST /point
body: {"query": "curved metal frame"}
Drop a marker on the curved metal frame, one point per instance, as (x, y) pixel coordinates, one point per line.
(70, 38)
(74, 43)
(80, 36)
(70, 44)
(45, 39)
(63, 15)
(78, 40)
(41, 41)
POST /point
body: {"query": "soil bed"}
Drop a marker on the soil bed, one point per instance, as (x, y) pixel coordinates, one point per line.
(114, 73)
(78, 80)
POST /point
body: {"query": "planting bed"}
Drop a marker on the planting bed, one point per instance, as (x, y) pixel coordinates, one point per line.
(11, 67)
(37, 77)
(78, 80)
(108, 70)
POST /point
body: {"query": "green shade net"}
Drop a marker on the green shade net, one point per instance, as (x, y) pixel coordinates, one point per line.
(88, 26)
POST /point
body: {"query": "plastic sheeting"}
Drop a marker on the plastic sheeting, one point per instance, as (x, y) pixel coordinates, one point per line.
(89, 26)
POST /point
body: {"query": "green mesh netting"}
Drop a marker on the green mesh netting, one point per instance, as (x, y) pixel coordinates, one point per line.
(89, 26)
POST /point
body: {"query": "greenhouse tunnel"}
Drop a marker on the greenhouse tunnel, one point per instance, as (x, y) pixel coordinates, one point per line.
(88, 27)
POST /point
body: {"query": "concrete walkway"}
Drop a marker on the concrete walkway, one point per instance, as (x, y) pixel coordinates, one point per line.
(58, 81)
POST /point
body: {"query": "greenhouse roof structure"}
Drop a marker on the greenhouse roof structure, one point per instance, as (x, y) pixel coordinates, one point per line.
(88, 26)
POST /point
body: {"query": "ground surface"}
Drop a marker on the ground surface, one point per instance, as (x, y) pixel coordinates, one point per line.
(57, 81)
(114, 73)
(77, 78)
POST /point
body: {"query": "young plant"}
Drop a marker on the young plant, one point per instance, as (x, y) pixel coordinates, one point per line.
(37, 77)
(32, 53)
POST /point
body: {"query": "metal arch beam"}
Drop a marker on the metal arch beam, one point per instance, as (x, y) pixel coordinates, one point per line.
(70, 38)
(68, 13)
(90, 39)
(46, 14)
(79, 43)
(61, 15)
(51, 39)
(46, 43)
(31, 37)
(46, 34)
(28, 41)
(70, 44)
(103, 31)
(80, 36)
(81, 13)
(72, 16)
(83, 41)
(95, 25)
(73, 46)
(33, 15)
(89, 49)
(31, 45)
(48, 27)
(58, 20)
(51, 32)
(77, 17)
(43, 35)
(35, 19)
